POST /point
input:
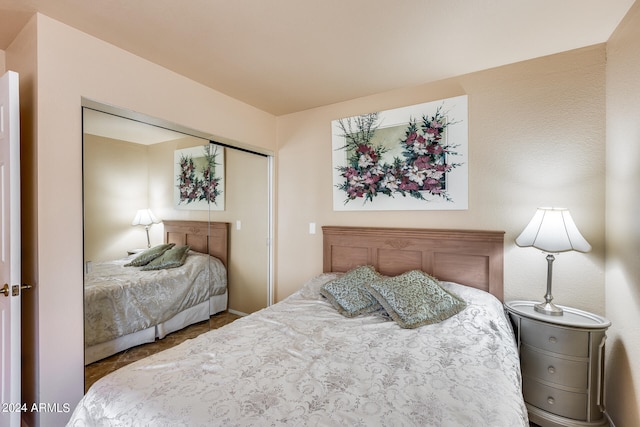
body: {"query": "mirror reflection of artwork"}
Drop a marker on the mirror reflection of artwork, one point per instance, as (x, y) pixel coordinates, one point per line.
(199, 178)
(411, 158)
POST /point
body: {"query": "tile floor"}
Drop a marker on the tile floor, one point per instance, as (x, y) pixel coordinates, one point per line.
(99, 369)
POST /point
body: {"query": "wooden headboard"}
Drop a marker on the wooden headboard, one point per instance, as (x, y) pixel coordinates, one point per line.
(470, 257)
(202, 236)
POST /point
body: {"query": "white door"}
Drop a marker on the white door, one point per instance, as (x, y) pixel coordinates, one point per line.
(10, 250)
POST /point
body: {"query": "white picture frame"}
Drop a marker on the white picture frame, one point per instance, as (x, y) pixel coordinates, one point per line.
(378, 163)
(193, 189)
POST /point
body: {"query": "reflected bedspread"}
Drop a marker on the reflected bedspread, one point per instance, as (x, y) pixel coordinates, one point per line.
(120, 300)
(300, 362)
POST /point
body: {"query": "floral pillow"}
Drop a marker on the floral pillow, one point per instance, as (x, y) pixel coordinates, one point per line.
(174, 257)
(349, 294)
(149, 255)
(414, 299)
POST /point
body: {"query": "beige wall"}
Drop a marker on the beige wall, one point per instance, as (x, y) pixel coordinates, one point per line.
(71, 65)
(623, 226)
(115, 183)
(247, 194)
(536, 138)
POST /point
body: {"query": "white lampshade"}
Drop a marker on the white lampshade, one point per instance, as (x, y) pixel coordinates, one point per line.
(552, 230)
(145, 217)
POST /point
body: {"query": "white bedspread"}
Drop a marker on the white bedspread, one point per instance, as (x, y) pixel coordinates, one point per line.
(121, 300)
(301, 363)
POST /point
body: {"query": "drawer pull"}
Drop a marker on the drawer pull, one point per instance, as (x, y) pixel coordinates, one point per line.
(551, 369)
(551, 400)
(553, 339)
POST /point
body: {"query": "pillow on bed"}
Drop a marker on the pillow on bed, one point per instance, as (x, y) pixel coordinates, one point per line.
(174, 257)
(149, 255)
(414, 299)
(348, 293)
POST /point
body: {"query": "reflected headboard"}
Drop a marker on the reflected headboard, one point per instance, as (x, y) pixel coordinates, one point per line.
(202, 236)
(470, 257)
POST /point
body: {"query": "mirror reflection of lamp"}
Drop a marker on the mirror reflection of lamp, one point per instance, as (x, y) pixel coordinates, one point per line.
(552, 230)
(147, 218)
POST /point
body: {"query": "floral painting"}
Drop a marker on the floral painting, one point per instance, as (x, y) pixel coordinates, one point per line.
(199, 178)
(411, 158)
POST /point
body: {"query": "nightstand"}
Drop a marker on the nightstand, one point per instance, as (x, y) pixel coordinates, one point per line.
(562, 363)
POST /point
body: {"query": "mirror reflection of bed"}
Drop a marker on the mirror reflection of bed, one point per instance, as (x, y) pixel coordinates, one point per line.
(128, 165)
(129, 306)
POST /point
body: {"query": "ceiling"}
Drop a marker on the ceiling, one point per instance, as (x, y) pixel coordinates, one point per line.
(283, 56)
(112, 126)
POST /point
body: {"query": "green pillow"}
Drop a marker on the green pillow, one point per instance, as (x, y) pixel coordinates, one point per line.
(149, 255)
(348, 293)
(174, 257)
(414, 299)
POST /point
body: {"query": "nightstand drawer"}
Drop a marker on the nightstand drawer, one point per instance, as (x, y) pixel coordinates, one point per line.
(559, 402)
(569, 373)
(558, 340)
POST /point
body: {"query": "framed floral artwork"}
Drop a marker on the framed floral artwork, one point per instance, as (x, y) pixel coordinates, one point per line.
(410, 158)
(199, 178)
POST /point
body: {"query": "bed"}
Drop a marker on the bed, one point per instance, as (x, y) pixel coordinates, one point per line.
(302, 362)
(126, 306)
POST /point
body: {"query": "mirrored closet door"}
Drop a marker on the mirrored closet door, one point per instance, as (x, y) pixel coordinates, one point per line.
(150, 187)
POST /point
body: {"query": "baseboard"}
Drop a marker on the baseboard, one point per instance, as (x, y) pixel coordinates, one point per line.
(237, 313)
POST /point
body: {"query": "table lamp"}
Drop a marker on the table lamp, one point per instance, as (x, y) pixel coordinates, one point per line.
(147, 218)
(552, 230)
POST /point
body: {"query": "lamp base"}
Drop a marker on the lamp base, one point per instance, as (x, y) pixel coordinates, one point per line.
(548, 308)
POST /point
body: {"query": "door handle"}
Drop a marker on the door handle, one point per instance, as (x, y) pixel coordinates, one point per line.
(15, 289)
